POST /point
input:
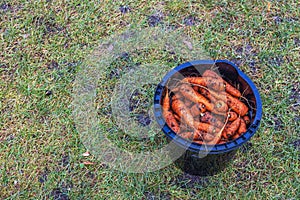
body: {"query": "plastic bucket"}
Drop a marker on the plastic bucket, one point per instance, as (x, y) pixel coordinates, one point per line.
(197, 160)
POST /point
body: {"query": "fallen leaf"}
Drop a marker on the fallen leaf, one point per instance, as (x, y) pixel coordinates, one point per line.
(88, 163)
(188, 44)
(86, 154)
(269, 6)
(110, 47)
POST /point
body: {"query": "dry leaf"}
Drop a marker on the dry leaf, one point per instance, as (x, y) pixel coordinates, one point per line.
(188, 44)
(269, 6)
(88, 163)
(86, 154)
(110, 47)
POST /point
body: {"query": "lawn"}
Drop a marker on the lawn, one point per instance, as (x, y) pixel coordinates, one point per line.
(46, 45)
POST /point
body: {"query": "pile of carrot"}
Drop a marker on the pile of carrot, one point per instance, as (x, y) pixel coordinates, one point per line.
(206, 109)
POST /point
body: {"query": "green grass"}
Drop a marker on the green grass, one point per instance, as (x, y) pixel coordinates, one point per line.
(44, 44)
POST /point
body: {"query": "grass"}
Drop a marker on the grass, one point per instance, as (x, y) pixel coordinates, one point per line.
(44, 44)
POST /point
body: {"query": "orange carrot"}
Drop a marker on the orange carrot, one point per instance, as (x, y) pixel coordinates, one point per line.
(177, 117)
(232, 116)
(206, 93)
(237, 106)
(222, 141)
(220, 106)
(183, 112)
(243, 127)
(188, 103)
(218, 135)
(224, 132)
(207, 117)
(166, 102)
(177, 95)
(208, 137)
(206, 127)
(216, 95)
(229, 88)
(168, 115)
(234, 103)
(241, 130)
(197, 109)
(189, 135)
(209, 82)
(196, 88)
(171, 121)
(188, 92)
(231, 128)
(235, 136)
(247, 119)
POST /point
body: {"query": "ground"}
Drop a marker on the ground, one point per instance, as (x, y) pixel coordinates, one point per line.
(44, 44)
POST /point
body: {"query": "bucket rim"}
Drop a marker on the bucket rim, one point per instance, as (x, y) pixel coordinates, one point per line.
(218, 148)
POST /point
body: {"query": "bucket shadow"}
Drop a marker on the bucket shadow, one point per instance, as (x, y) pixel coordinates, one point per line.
(210, 165)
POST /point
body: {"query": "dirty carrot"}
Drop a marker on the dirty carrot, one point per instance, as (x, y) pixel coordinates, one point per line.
(206, 127)
(209, 82)
(247, 119)
(197, 109)
(235, 136)
(189, 135)
(176, 117)
(166, 101)
(207, 117)
(182, 111)
(230, 129)
(232, 116)
(234, 103)
(168, 115)
(188, 102)
(220, 106)
(196, 88)
(188, 92)
(243, 127)
(218, 136)
(228, 88)
(208, 137)
(206, 93)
